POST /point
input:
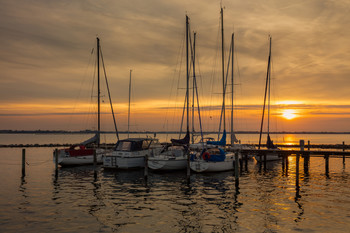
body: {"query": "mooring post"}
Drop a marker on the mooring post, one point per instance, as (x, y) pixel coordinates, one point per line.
(95, 165)
(246, 162)
(343, 155)
(23, 162)
(326, 157)
(146, 167)
(283, 163)
(237, 169)
(305, 156)
(265, 161)
(287, 164)
(297, 169)
(56, 162)
(188, 167)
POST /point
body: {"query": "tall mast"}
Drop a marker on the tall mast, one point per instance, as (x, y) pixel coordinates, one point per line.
(98, 92)
(187, 74)
(223, 66)
(129, 104)
(266, 89)
(232, 85)
(194, 79)
(269, 93)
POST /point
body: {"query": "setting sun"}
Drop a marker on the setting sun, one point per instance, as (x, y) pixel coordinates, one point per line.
(289, 114)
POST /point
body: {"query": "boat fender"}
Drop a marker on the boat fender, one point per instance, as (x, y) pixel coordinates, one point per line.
(206, 156)
(82, 147)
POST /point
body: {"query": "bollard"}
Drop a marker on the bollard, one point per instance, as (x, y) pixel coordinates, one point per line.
(236, 169)
(23, 162)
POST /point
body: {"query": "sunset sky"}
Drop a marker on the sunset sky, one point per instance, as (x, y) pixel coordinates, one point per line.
(47, 66)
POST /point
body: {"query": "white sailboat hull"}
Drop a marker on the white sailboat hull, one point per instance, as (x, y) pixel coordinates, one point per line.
(269, 157)
(167, 164)
(66, 160)
(201, 165)
(122, 161)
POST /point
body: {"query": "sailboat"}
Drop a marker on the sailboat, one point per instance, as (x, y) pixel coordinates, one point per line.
(130, 153)
(269, 143)
(173, 156)
(83, 153)
(215, 159)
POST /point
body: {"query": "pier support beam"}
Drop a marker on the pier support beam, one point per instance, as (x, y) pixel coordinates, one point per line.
(56, 163)
(343, 155)
(188, 168)
(297, 170)
(146, 168)
(95, 165)
(326, 157)
(23, 163)
(237, 155)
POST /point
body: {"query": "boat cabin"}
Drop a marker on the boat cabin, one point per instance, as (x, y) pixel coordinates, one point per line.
(133, 144)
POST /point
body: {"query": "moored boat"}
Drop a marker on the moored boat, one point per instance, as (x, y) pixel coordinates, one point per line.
(130, 153)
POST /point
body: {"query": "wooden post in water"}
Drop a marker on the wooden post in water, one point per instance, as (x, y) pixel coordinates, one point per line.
(287, 164)
(283, 163)
(56, 163)
(237, 169)
(297, 170)
(95, 165)
(265, 161)
(146, 167)
(344, 155)
(246, 162)
(23, 162)
(326, 157)
(188, 167)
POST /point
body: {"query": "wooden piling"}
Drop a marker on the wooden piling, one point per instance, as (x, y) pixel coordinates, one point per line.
(302, 145)
(188, 168)
(326, 157)
(23, 162)
(343, 155)
(287, 164)
(95, 165)
(297, 170)
(95, 159)
(56, 162)
(283, 163)
(246, 162)
(237, 169)
(265, 161)
(146, 167)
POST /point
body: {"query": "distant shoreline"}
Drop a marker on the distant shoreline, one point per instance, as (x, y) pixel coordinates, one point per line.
(148, 132)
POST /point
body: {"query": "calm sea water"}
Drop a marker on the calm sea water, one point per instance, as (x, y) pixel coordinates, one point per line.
(122, 201)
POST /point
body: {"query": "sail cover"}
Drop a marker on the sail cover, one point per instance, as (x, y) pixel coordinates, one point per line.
(222, 142)
(94, 139)
(184, 141)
